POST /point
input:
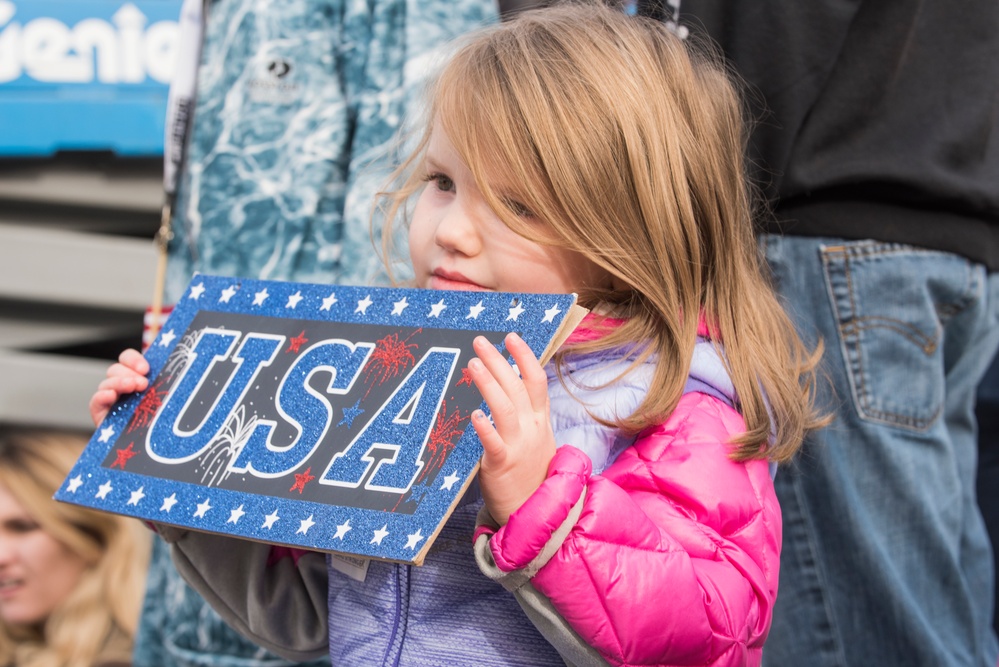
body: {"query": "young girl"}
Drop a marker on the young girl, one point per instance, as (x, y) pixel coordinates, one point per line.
(627, 513)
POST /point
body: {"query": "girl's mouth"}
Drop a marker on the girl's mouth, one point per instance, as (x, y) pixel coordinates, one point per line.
(443, 280)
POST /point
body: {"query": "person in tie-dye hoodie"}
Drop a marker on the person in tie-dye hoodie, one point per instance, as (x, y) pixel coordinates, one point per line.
(297, 110)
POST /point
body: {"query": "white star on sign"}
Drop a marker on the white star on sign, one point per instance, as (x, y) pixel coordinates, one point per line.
(270, 519)
(227, 294)
(551, 313)
(260, 297)
(294, 299)
(236, 514)
(437, 309)
(362, 305)
(399, 306)
(342, 529)
(449, 481)
(328, 302)
(197, 291)
(103, 490)
(379, 535)
(169, 502)
(166, 338)
(137, 495)
(475, 311)
(202, 508)
(106, 434)
(74, 484)
(414, 539)
(304, 525)
(515, 312)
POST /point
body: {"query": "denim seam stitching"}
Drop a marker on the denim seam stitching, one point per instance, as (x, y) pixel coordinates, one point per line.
(829, 617)
(855, 325)
(884, 250)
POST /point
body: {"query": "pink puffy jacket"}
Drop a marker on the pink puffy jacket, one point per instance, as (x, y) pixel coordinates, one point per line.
(670, 557)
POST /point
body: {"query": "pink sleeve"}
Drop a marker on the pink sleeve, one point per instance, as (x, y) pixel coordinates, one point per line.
(674, 556)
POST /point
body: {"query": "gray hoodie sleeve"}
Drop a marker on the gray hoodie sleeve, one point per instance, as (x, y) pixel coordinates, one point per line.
(573, 649)
(281, 606)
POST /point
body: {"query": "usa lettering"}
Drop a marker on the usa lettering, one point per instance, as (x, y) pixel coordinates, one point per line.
(402, 427)
(386, 453)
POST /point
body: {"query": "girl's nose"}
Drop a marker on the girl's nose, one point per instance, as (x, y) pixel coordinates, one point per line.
(458, 229)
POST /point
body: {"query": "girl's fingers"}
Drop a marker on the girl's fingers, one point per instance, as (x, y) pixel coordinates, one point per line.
(519, 444)
(511, 395)
(134, 360)
(509, 377)
(125, 377)
(535, 379)
(124, 384)
(492, 444)
(100, 404)
(502, 409)
(505, 374)
(121, 370)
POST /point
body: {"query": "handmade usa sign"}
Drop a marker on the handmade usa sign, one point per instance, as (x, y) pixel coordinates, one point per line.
(326, 418)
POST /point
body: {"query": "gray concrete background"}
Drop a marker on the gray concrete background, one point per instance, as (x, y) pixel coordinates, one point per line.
(77, 271)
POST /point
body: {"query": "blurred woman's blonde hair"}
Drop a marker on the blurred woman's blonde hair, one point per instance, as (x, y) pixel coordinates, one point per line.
(626, 145)
(97, 621)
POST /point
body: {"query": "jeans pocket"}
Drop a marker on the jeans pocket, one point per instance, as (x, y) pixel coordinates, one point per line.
(891, 304)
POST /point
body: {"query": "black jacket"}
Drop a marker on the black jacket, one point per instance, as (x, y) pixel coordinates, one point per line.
(881, 116)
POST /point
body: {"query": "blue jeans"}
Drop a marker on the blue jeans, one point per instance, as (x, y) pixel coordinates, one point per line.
(987, 412)
(886, 560)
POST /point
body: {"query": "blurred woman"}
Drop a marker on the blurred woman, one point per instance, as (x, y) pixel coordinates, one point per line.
(71, 579)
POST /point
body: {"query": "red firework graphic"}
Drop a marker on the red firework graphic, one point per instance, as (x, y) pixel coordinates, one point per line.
(148, 407)
(443, 438)
(466, 377)
(390, 358)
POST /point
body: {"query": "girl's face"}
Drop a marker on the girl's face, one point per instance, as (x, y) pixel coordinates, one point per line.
(457, 242)
(37, 572)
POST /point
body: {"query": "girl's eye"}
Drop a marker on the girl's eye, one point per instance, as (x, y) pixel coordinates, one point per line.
(518, 209)
(440, 181)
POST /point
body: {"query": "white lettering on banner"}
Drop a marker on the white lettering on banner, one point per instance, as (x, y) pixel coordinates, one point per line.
(123, 51)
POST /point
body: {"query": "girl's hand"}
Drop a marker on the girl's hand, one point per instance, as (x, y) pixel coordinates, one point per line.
(124, 377)
(519, 448)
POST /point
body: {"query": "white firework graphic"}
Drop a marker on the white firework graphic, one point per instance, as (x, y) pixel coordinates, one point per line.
(226, 446)
(182, 354)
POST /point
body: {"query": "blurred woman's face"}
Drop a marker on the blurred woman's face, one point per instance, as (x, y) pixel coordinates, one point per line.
(37, 572)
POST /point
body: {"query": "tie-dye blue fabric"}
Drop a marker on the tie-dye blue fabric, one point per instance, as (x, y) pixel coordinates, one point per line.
(298, 108)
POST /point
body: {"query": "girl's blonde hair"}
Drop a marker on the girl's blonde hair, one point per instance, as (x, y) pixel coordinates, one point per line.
(629, 146)
(98, 618)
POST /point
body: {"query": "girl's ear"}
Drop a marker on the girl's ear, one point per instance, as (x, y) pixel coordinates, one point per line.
(618, 284)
